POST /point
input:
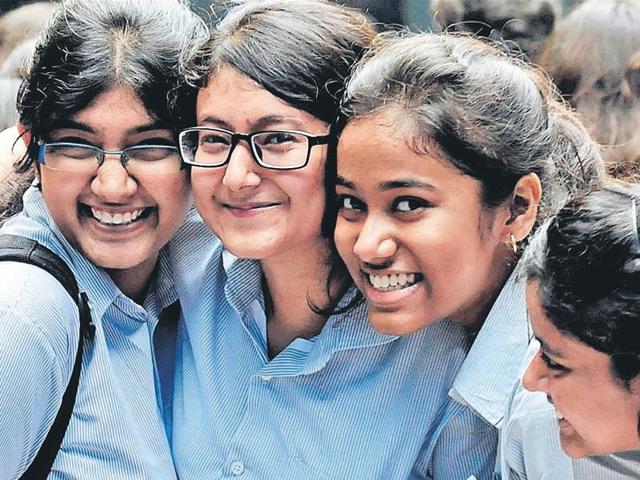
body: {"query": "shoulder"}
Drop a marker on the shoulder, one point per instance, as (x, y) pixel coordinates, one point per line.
(33, 300)
(530, 440)
(193, 252)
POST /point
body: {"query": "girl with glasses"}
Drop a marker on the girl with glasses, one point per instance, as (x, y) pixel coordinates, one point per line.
(97, 116)
(275, 376)
(450, 154)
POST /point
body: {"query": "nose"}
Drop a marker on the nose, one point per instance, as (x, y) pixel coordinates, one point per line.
(535, 377)
(375, 243)
(242, 171)
(112, 181)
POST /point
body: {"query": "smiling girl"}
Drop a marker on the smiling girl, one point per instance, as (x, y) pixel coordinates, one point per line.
(273, 381)
(110, 192)
(450, 154)
(584, 310)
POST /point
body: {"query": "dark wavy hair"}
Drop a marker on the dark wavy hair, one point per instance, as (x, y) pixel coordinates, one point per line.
(492, 116)
(586, 261)
(92, 46)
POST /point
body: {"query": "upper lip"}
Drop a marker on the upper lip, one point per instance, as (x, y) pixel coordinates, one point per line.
(369, 271)
(115, 210)
(247, 205)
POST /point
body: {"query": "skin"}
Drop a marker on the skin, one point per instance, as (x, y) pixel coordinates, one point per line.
(600, 412)
(11, 151)
(405, 213)
(114, 120)
(268, 215)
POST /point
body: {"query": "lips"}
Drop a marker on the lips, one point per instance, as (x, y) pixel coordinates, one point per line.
(249, 206)
(113, 218)
(393, 281)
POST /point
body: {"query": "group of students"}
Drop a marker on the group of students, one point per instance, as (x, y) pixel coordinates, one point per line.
(352, 299)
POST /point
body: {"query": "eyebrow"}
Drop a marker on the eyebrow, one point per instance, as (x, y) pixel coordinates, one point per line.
(261, 123)
(406, 183)
(344, 182)
(390, 185)
(549, 350)
(73, 125)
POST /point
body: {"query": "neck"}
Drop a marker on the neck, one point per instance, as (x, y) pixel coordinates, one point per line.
(133, 282)
(292, 281)
(473, 317)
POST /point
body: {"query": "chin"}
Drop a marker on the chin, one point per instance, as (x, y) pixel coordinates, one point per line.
(254, 246)
(394, 323)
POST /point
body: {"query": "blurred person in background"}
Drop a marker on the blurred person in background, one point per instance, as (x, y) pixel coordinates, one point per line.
(522, 24)
(590, 57)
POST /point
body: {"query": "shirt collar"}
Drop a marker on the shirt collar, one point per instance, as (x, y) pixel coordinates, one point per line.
(342, 331)
(244, 281)
(35, 222)
(494, 361)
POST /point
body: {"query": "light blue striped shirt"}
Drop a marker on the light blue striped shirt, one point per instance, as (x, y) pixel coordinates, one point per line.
(495, 360)
(348, 404)
(531, 448)
(116, 430)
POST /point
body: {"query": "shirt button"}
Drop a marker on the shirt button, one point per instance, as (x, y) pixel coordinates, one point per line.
(237, 468)
(265, 378)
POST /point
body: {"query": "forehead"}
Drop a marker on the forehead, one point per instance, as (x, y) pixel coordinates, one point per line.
(119, 102)
(235, 98)
(384, 146)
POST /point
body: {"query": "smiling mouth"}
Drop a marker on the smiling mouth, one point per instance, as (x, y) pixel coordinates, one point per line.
(116, 219)
(247, 208)
(392, 282)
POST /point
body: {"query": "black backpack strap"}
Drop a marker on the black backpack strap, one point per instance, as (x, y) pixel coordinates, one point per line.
(20, 249)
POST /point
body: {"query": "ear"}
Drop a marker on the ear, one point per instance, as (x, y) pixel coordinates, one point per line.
(523, 207)
(24, 134)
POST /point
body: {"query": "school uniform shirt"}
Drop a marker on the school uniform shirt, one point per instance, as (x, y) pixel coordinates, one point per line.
(349, 403)
(531, 448)
(116, 430)
(495, 360)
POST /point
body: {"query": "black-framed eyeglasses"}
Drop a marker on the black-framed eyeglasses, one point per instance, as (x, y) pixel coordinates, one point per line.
(82, 158)
(274, 149)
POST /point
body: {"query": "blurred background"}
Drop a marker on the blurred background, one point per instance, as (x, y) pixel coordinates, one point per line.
(413, 13)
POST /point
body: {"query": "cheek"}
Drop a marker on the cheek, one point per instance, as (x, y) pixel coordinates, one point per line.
(175, 200)
(345, 236)
(61, 192)
(204, 182)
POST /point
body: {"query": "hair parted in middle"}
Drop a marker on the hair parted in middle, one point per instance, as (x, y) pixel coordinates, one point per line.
(90, 47)
(301, 51)
(492, 116)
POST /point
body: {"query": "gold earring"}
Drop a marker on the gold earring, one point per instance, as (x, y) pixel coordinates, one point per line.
(514, 245)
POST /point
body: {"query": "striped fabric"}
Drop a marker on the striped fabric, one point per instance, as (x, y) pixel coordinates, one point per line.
(531, 449)
(116, 430)
(348, 404)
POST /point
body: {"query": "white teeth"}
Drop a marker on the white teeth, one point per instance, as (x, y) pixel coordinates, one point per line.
(392, 282)
(559, 415)
(117, 218)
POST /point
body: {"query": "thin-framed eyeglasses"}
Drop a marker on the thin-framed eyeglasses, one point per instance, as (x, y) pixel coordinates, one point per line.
(83, 158)
(273, 149)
